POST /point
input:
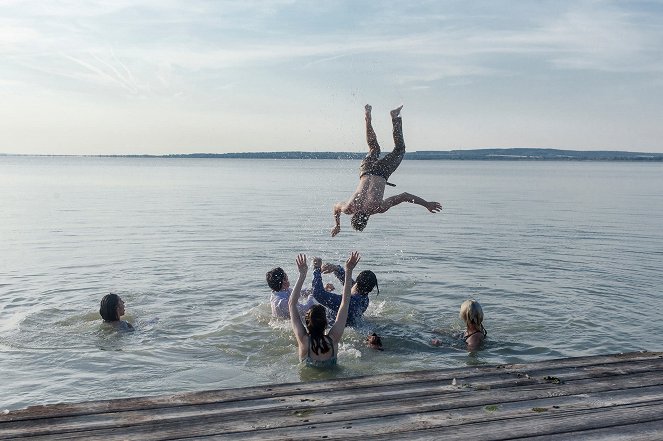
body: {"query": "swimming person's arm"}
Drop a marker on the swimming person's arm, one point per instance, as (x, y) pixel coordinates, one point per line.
(297, 325)
(338, 207)
(432, 206)
(328, 299)
(338, 271)
(336, 332)
(341, 207)
(316, 284)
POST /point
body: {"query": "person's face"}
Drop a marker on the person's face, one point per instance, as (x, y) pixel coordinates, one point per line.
(120, 308)
(286, 283)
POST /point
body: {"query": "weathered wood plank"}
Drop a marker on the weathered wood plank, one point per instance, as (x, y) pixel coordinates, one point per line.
(393, 405)
(320, 386)
(341, 397)
(533, 370)
(651, 431)
(325, 411)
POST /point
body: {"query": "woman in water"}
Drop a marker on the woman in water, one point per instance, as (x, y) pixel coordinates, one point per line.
(472, 314)
(111, 309)
(316, 348)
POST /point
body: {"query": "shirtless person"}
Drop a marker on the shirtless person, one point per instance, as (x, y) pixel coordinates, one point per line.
(373, 174)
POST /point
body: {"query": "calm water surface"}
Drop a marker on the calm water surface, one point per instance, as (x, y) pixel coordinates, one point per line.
(565, 258)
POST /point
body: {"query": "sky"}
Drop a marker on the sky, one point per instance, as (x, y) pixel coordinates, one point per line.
(162, 76)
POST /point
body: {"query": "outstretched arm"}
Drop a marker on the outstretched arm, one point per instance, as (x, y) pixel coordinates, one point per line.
(341, 207)
(433, 207)
(297, 325)
(336, 332)
(337, 219)
(327, 299)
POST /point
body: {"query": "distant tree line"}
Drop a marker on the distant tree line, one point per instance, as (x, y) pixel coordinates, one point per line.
(512, 154)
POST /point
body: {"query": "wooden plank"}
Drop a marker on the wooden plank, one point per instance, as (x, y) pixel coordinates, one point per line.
(367, 403)
(465, 375)
(651, 431)
(292, 417)
(319, 386)
(338, 398)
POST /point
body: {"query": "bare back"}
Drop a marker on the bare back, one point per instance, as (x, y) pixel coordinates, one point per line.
(367, 198)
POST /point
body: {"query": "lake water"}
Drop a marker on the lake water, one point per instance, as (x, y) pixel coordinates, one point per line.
(565, 258)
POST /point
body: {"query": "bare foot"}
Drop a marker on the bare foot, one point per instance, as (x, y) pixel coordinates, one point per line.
(396, 112)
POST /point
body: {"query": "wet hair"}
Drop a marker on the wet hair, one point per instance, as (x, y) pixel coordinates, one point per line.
(108, 307)
(471, 312)
(316, 324)
(374, 341)
(275, 278)
(366, 281)
(359, 221)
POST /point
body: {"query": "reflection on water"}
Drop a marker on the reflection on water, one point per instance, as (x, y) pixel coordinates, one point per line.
(564, 258)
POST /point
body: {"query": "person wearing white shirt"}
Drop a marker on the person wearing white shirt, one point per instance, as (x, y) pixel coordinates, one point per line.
(277, 280)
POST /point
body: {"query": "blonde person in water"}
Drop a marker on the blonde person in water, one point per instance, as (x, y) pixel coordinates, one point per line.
(373, 175)
(315, 347)
(111, 310)
(472, 314)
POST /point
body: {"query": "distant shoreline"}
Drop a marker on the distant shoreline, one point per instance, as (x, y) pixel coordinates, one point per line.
(511, 154)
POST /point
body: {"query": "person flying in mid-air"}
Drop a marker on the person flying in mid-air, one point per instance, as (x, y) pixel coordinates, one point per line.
(373, 174)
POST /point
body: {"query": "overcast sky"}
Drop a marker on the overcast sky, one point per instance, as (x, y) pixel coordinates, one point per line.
(161, 76)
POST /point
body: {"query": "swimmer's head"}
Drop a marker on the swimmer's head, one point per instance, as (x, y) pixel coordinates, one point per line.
(316, 324)
(471, 312)
(316, 320)
(374, 341)
(111, 308)
(277, 279)
(366, 281)
(359, 220)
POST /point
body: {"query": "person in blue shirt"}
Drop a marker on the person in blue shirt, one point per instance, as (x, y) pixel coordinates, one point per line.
(359, 301)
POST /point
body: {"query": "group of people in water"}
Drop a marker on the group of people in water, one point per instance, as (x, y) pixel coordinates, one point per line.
(318, 342)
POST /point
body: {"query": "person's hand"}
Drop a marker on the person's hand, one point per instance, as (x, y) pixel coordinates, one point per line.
(434, 207)
(335, 230)
(317, 263)
(352, 261)
(329, 268)
(302, 265)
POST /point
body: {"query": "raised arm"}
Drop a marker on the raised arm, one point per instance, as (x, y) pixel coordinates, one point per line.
(297, 325)
(433, 207)
(338, 208)
(327, 299)
(338, 271)
(341, 207)
(336, 332)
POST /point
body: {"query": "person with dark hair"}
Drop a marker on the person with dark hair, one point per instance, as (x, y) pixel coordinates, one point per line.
(111, 310)
(277, 280)
(315, 347)
(373, 175)
(366, 281)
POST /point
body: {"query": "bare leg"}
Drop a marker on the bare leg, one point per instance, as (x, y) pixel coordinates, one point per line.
(371, 138)
(397, 122)
(396, 112)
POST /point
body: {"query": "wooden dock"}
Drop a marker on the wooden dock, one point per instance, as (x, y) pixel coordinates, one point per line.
(599, 398)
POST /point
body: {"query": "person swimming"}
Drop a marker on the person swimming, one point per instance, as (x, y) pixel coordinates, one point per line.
(111, 310)
(317, 348)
